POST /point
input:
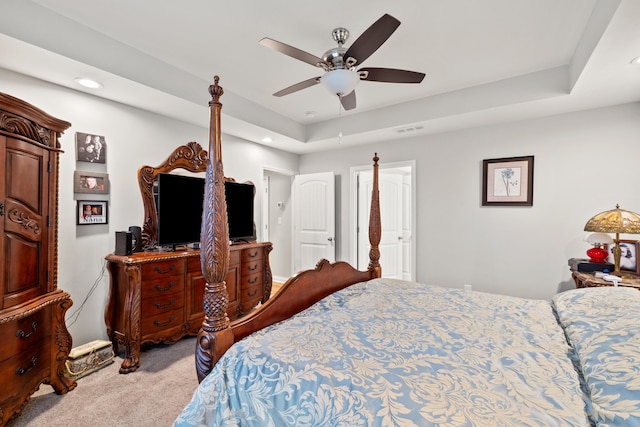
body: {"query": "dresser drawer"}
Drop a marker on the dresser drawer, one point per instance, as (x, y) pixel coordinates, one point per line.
(251, 292)
(28, 332)
(161, 269)
(250, 280)
(252, 267)
(25, 370)
(251, 254)
(161, 286)
(161, 322)
(162, 303)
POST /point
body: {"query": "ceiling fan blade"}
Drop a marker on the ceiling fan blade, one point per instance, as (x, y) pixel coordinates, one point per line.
(372, 38)
(298, 86)
(391, 75)
(348, 101)
(293, 52)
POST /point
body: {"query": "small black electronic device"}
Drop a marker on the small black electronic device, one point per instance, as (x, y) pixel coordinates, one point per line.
(136, 235)
(124, 243)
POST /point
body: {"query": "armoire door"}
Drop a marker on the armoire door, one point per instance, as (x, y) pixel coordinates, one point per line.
(24, 190)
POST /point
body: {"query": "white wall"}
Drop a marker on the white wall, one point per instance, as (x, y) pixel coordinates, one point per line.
(134, 138)
(585, 163)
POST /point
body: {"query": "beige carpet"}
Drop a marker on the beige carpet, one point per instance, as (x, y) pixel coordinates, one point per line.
(154, 395)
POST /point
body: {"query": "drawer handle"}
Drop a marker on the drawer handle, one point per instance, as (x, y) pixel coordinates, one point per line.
(252, 254)
(22, 371)
(161, 307)
(169, 270)
(252, 267)
(171, 285)
(162, 325)
(251, 294)
(20, 333)
(252, 281)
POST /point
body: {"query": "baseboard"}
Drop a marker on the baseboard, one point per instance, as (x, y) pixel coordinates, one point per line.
(279, 279)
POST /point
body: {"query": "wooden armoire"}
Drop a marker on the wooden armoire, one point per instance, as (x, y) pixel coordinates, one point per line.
(34, 341)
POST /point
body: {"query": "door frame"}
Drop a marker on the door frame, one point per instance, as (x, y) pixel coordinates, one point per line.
(353, 205)
(265, 171)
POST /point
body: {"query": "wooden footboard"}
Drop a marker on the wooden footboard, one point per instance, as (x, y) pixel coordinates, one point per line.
(217, 334)
(300, 292)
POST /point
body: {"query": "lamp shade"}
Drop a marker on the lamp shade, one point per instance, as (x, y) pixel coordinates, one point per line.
(340, 81)
(615, 221)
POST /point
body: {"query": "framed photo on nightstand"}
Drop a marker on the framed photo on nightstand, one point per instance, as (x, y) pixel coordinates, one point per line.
(629, 256)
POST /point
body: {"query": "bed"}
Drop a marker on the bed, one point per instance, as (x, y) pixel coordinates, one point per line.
(342, 347)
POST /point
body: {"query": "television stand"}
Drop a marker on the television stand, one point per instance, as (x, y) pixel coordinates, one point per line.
(157, 297)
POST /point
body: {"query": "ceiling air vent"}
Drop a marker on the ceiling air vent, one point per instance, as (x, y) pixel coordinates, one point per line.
(409, 129)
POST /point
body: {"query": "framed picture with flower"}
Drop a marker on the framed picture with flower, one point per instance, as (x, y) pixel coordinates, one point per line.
(507, 181)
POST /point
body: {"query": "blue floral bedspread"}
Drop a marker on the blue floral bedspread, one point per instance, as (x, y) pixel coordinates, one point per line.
(603, 325)
(417, 355)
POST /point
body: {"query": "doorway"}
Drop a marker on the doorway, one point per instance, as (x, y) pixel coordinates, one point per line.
(397, 211)
(276, 224)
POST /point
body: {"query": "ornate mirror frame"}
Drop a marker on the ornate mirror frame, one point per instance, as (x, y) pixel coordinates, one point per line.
(191, 157)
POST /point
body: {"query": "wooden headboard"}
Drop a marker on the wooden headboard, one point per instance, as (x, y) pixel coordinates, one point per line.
(217, 333)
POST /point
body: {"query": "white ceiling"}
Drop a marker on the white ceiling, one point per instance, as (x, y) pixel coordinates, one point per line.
(486, 61)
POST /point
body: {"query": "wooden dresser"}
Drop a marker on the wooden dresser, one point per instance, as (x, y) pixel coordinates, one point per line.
(34, 341)
(157, 297)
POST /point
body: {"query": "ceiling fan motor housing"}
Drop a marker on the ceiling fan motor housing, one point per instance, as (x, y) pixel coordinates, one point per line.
(335, 58)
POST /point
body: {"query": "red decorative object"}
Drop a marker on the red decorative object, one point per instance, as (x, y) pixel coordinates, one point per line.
(597, 254)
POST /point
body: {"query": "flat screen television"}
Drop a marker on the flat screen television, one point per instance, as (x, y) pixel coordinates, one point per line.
(240, 198)
(179, 203)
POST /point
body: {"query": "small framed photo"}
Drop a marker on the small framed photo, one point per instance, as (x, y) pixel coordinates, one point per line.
(90, 148)
(507, 181)
(90, 182)
(92, 212)
(629, 255)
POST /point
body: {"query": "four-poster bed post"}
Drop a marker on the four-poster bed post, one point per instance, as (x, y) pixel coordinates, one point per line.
(301, 291)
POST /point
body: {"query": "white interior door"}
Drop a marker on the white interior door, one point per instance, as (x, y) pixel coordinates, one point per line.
(391, 246)
(313, 219)
(266, 202)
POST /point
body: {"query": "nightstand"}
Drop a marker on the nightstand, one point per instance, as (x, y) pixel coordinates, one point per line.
(585, 279)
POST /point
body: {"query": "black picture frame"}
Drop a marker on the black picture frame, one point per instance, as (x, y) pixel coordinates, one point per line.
(92, 212)
(507, 181)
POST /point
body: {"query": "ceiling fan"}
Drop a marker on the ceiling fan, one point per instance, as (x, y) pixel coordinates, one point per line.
(339, 64)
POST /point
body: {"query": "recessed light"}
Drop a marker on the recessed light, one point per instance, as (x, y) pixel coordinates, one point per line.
(91, 84)
(267, 139)
(635, 61)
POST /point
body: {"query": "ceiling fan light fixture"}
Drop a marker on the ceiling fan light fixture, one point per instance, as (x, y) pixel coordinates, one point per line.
(340, 82)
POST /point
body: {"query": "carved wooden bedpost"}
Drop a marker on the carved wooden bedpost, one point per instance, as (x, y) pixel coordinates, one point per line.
(375, 229)
(215, 335)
